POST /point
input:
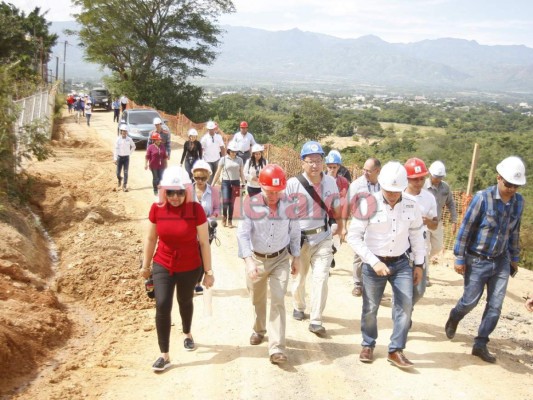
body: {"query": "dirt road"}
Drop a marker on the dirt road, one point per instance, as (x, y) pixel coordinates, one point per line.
(99, 233)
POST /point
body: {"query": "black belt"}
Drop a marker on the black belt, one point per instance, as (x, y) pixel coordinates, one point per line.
(271, 255)
(390, 259)
(481, 256)
(315, 231)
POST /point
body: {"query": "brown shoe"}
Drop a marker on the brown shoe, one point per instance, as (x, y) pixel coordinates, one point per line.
(366, 355)
(256, 339)
(357, 291)
(278, 358)
(397, 358)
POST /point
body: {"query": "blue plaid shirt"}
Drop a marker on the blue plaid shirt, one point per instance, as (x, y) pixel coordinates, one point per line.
(490, 226)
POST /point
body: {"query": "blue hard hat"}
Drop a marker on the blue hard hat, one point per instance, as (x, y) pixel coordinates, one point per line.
(311, 148)
(333, 158)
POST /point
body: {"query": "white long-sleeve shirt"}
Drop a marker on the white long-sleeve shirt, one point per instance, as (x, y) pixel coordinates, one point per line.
(388, 232)
(123, 147)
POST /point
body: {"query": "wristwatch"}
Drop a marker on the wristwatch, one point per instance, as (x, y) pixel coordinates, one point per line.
(210, 272)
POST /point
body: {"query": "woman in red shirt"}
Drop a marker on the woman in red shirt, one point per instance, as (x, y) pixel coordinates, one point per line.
(177, 226)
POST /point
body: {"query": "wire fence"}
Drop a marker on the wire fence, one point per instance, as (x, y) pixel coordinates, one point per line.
(39, 107)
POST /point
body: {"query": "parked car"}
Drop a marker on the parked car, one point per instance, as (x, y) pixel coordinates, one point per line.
(101, 98)
(140, 124)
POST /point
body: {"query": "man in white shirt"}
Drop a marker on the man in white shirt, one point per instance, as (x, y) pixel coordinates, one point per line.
(416, 176)
(212, 148)
(245, 140)
(366, 183)
(267, 237)
(443, 195)
(316, 252)
(390, 225)
(123, 102)
(124, 147)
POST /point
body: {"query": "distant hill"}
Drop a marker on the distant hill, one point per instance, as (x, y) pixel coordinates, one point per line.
(249, 56)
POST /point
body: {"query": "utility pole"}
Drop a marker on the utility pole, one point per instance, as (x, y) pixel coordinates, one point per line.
(64, 64)
(57, 68)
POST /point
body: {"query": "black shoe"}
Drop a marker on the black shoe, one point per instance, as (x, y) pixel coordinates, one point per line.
(450, 327)
(188, 344)
(332, 265)
(298, 315)
(318, 330)
(483, 353)
(161, 364)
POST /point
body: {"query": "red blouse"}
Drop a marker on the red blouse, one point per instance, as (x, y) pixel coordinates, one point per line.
(177, 248)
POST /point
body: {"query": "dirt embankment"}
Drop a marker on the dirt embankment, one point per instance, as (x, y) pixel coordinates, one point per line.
(86, 329)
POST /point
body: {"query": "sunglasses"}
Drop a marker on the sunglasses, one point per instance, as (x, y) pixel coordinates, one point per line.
(200, 178)
(179, 192)
(509, 185)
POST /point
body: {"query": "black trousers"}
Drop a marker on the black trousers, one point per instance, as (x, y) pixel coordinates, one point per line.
(164, 284)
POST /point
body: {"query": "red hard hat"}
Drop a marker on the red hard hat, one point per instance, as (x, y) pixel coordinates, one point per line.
(415, 168)
(273, 178)
(244, 124)
(155, 136)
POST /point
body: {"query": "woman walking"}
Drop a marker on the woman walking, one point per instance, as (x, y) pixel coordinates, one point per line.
(156, 160)
(253, 166)
(208, 197)
(230, 169)
(192, 151)
(178, 227)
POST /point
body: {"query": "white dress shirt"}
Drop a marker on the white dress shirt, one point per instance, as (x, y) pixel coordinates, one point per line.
(310, 214)
(123, 147)
(389, 232)
(245, 142)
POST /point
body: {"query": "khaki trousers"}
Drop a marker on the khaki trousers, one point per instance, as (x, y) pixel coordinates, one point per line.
(273, 271)
(318, 258)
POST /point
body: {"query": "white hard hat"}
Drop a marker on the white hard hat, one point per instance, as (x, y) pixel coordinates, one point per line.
(257, 147)
(201, 164)
(513, 170)
(192, 132)
(393, 177)
(123, 127)
(233, 146)
(437, 169)
(175, 178)
(211, 125)
(157, 121)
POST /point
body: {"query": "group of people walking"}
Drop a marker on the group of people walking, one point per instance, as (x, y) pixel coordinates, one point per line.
(391, 217)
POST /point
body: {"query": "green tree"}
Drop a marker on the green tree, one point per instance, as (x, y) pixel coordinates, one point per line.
(149, 43)
(310, 121)
(25, 43)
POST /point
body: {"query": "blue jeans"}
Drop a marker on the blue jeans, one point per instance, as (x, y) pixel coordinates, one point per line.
(123, 162)
(401, 280)
(494, 274)
(229, 194)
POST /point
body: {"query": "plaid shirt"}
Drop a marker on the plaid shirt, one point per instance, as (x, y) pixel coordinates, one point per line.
(490, 227)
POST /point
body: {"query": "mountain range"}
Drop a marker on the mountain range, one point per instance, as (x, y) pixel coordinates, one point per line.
(256, 56)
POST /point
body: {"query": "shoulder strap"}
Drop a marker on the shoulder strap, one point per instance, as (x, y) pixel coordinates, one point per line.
(312, 192)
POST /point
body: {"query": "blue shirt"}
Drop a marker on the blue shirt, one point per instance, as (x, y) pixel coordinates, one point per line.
(267, 232)
(490, 227)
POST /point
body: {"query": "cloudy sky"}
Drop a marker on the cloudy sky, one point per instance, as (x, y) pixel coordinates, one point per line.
(488, 22)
